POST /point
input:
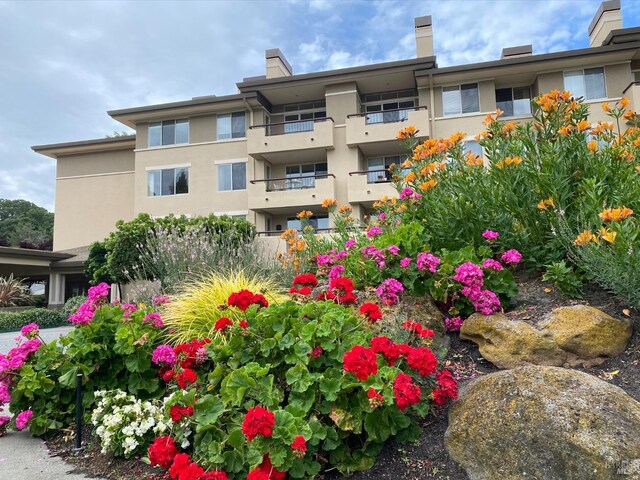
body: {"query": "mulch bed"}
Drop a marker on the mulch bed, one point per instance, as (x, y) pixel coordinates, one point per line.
(426, 458)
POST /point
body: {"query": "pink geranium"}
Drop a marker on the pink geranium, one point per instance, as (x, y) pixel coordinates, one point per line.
(491, 264)
(154, 320)
(30, 331)
(511, 256)
(22, 420)
(490, 235)
(164, 354)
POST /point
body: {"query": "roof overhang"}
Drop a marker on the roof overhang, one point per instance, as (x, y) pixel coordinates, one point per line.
(55, 150)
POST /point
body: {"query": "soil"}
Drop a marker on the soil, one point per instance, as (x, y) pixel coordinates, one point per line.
(426, 458)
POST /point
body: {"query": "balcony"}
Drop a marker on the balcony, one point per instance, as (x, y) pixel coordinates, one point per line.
(275, 194)
(273, 141)
(378, 127)
(367, 186)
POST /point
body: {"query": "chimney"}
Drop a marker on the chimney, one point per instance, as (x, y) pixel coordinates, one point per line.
(277, 65)
(607, 18)
(424, 37)
(515, 52)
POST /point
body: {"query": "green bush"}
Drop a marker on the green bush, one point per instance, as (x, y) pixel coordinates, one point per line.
(71, 305)
(564, 278)
(111, 352)
(42, 316)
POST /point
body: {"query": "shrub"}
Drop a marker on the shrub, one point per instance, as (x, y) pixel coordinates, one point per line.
(195, 309)
(295, 388)
(13, 292)
(42, 316)
(564, 278)
(111, 348)
(126, 425)
(72, 305)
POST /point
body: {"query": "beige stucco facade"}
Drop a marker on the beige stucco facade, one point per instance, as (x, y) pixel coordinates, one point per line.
(308, 121)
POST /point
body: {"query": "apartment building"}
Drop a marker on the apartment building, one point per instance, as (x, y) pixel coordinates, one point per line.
(285, 141)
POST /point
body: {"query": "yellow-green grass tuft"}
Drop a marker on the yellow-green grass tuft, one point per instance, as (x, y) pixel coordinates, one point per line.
(197, 305)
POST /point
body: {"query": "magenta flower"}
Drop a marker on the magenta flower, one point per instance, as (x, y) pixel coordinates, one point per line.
(453, 324)
(490, 235)
(154, 320)
(164, 354)
(4, 421)
(382, 216)
(427, 261)
(393, 249)
(160, 299)
(23, 419)
(5, 397)
(405, 262)
(349, 243)
(487, 302)
(84, 314)
(335, 272)
(98, 293)
(491, 264)
(323, 260)
(511, 256)
(128, 309)
(469, 274)
(30, 331)
(388, 291)
(373, 231)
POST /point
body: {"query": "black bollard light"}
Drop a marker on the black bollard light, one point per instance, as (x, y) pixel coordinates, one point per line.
(78, 412)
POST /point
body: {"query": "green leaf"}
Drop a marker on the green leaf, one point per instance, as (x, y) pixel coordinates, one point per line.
(208, 409)
(330, 387)
(285, 426)
(376, 424)
(236, 439)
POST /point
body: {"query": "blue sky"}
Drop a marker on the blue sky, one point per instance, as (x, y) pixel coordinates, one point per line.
(64, 64)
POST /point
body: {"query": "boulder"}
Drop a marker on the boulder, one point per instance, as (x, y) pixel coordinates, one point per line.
(544, 423)
(571, 336)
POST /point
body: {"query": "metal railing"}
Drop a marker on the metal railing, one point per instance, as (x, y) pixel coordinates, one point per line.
(276, 233)
(375, 176)
(293, 126)
(387, 116)
(291, 183)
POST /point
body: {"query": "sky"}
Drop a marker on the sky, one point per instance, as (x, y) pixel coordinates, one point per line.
(63, 65)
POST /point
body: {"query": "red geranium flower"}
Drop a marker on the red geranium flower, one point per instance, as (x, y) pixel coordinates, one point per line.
(315, 352)
(448, 388)
(191, 472)
(266, 471)
(244, 298)
(423, 360)
(305, 280)
(243, 324)
(259, 299)
(375, 399)
(406, 392)
(361, 361)
(300, 291)
(186, 377)
(299, 446)
(186, 352)
(176, 412)
(180, 462)
(258, 421)
(162, 452)
(214, 475)
(166, 374)
(222, 323)
(371, 311)
(342, 284)
(418, 329)
(386, 347)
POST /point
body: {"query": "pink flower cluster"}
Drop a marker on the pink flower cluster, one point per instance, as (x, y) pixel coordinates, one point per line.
(375, 254)
(164, 354)
(389, 291)
(470, 275)
(409, 193)
(427, 261)
(511, 256)
(332, 257)
(336, 271)
(491, 264)
(16, 357)
(349, 243)
(30, 331)
(23, 418)
(490, 235)
(154, 320)
(393, 249)
(95, 297)
(373, 231)
(453, 324)
(160, 300)
(405, 262)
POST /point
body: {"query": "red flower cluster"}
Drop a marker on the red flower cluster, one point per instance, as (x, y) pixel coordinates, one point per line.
(340, 291)
(303, 284)
(406, 392)
(447, 388)
(166, 374)
(186, 377)
(244, 298)
(176, 412)
(386, 347)
(222, 324)
(423, 360)
(214, 475)
(299, 446)
(243, 324)
(418, 329)
(162, 452)
(315, 352)
(187, 352)
(375, 399)
(266, 471)
(371, 311)
(361, 361)
(184, 469)
(258, 421)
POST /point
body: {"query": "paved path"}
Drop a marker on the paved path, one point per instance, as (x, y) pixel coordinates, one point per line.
(7, 340)
(23, 457)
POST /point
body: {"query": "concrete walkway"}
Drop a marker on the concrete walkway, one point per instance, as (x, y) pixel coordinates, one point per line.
(8, 339)
(23, 457)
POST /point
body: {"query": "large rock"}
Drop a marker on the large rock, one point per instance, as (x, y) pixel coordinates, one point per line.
(571, 336)
(545, 423)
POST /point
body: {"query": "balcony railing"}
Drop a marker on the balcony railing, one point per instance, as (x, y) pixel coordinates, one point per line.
(274, 233)
(375, 176)
(387, 116)
(294, 126)
(291, 183)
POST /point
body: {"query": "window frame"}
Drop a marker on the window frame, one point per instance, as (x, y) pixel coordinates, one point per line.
(161, 125)
(400, 113)
(584, 83)
(458, 88)
(231, 164)
(159, 171)
(514, 114)
(374, 175)
(230, 115)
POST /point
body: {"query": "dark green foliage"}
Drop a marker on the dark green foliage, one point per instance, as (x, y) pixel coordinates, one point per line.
(42, 316)
(23, 221)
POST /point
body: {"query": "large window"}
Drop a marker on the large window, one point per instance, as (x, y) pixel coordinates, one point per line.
(300, 116)
(169, 132)
(378, 168)
(168, 181)
(231, 125)
(389, 107)
(514, 101)
(232, 176)
(587, 83)
(460, 99)
(302, 176)
(318, 222)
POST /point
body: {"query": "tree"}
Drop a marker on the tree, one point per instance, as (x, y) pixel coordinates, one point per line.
(25, 222)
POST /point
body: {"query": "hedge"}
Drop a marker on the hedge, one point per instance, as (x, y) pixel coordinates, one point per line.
(42, 316)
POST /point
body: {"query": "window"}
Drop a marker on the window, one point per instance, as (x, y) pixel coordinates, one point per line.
(378, 168)
(168, 181)
(232, 176)
(231, 125)
(300, 176)
(300, 116)
(318, 222)
(169, 132)
(389, 107)
(514, 101)
(460, 99)
(587, 83)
